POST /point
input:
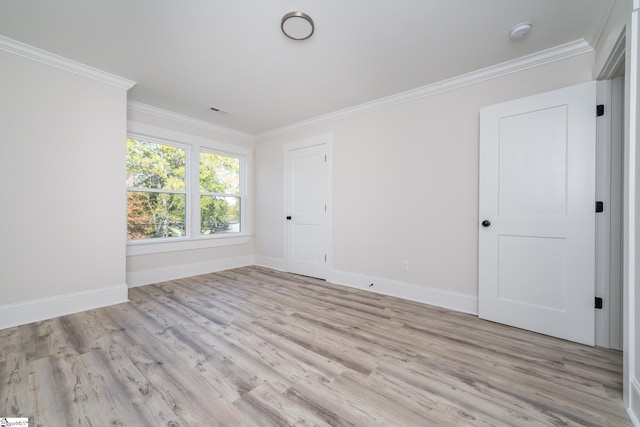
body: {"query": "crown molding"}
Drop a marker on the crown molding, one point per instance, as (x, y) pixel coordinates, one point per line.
(554, 54)
(57, 61)
(184, 119)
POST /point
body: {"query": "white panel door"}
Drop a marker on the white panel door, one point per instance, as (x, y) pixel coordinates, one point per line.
(306, 192)
(537, 213)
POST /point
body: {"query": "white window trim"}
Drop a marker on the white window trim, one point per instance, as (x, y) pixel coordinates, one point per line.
(194, 145)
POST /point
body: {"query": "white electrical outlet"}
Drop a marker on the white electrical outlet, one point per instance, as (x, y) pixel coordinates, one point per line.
(404, 265)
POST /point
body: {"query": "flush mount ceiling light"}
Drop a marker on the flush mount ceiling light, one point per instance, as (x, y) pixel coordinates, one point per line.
(520, 31)
(297, 25)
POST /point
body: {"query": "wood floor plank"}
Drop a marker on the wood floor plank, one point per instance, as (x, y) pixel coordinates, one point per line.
(51, 405)
(436, 408)
(192, 394)
(258, 347)
(274, 408)
(53, 339)
(97, 397)
(316, 364)
(14, 393)
(534, 364)
(144, 396)
(337, 407)
(212, 342)
(321, 345)
(449, 394)
(187, 361)
(92, 330)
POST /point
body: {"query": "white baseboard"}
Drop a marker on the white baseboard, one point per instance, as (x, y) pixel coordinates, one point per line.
(148, 277)
(634, 402)
(46, 308)
(269, 262)
(452, 300)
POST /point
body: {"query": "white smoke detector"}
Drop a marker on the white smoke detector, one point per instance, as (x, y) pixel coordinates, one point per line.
(520, 31)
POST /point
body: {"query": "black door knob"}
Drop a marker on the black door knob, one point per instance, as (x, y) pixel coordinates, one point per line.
(288, 217)
(486, 223)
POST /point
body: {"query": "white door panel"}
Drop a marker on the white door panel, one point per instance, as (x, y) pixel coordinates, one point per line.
(520, 278)
(526, 150)
(537, 184)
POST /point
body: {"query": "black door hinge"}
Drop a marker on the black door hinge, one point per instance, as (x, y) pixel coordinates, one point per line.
(599, 110)
(598, 303)
(599, 207)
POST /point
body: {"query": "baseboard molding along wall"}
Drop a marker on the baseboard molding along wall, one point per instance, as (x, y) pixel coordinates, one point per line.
(46, 308)
(452, 300)
(634, 402)
(148, 277)
(269, 262)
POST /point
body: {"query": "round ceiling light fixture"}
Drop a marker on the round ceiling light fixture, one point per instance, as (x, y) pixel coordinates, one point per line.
(297, 25)
(520, 31)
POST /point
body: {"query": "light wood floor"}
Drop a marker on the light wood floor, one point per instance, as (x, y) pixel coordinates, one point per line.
(253, 346)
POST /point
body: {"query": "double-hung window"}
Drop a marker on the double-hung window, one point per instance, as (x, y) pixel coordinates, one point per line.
(157, 190)
(190, 194)
(220, 198)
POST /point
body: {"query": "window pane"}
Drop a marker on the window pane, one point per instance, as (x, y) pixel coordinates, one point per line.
(157, 166)
(153, 215)
(219, 214)
(219, 174)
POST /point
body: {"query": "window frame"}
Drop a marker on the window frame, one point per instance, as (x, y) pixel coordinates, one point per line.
(194, 145)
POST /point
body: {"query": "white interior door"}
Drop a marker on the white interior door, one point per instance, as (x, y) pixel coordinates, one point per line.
(306, 210)
(537, 214)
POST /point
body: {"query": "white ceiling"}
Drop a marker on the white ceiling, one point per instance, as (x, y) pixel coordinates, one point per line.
(187, 56)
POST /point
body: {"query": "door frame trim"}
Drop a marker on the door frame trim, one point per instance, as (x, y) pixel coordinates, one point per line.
(321, 139)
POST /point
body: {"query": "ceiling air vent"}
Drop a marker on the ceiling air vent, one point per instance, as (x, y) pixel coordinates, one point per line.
(218, 110)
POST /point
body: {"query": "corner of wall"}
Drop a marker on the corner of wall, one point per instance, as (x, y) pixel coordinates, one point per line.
(147, 277)
(269, 262)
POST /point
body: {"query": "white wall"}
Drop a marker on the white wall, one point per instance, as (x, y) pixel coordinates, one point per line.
(63, 198)
(632, 285)
(152, 268)
(405, 187)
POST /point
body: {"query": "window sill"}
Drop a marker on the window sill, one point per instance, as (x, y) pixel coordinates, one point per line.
(150, 247)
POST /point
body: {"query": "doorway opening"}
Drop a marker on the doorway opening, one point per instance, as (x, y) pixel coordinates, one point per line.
(610, 161)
